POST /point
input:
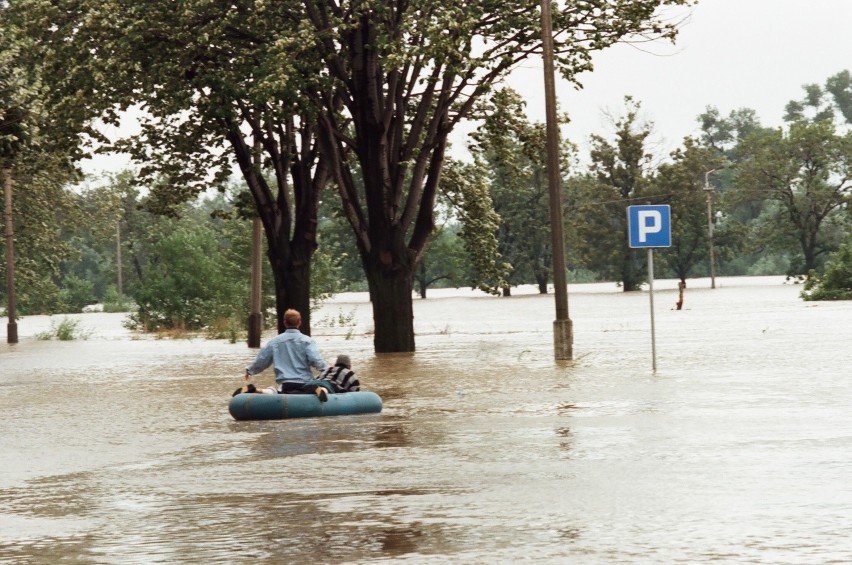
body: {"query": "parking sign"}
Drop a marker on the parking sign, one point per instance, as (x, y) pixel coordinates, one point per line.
(649, 226)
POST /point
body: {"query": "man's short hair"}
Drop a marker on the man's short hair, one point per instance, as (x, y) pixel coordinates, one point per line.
(292, 318)
(343, 361)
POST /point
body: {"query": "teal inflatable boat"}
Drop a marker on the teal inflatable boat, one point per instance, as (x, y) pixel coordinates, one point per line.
(253, 406)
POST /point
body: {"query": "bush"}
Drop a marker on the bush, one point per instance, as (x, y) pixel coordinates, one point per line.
(836, 282)
(76, 293)
(187, 286)
(67, 330)
(115, 303)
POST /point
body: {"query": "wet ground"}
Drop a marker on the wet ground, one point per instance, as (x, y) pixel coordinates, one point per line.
(738, 449)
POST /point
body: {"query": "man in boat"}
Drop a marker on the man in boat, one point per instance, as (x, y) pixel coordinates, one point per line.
(291, 355)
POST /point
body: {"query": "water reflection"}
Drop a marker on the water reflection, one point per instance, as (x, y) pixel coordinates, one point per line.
(119, 450)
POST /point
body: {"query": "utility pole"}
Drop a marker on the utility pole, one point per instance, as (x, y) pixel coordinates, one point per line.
(120, 281)
(708, 190)
(255, 319)
(12, 326)
(562, 332)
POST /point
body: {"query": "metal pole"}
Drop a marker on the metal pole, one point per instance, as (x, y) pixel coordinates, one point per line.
(562, 332)
(12, 326)
(651, 295)
(709, 191)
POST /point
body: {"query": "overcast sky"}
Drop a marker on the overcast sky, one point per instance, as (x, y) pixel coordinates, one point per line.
(730, 54)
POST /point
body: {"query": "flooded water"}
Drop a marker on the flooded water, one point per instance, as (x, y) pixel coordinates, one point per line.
(738, 449)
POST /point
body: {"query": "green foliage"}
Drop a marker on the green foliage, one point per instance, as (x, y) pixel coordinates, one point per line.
(681, 184)
(465, 185)
(115, 302)
(824, 103)
(836, 282)
(66, 330)
(806, 172)
(619, 177)
(76, 293)
(185, 286)
(445, 262)
(514, 153)
(41, 208)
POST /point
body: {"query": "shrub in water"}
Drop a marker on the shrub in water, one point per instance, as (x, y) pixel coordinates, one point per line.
(836, 281)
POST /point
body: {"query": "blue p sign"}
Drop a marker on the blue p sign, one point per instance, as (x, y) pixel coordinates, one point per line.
(649, 226)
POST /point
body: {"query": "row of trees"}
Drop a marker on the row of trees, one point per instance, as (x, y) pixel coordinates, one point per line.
(186, 265)
(362, 97)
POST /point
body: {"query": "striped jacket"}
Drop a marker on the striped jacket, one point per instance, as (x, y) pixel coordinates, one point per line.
(343, 379)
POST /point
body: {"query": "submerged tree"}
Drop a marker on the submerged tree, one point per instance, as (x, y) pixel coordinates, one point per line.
(514, 153)
(38, 144)
(407, 74)
(807, 171)
(680, 183)
(619, 176)
(213, 84)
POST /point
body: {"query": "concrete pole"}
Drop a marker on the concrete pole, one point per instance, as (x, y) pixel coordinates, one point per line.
(255, 321)
(708, 190)
(562, 331)
(12, 326)
(120, 281)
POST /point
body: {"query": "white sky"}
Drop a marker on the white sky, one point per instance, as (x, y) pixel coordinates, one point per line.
(730, 54)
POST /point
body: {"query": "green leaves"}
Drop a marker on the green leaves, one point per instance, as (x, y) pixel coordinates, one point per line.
(807, 171)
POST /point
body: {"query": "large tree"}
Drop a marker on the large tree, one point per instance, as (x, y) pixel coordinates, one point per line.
(385, 82)
(407, 72)
(213, 84)
(38, 143)
(514, 152)
(620, 174)
(807, 171)
(681, 184)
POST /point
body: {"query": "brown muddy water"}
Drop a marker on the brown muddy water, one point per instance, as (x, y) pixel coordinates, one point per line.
(120, 450)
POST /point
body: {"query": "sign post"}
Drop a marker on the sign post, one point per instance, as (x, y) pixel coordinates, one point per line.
(648, 227)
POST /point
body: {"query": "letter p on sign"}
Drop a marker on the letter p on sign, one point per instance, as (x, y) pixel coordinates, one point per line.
(649, 226)
(650, 222)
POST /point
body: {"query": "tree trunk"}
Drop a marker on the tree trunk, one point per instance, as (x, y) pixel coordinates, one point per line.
(393, 315)
(541, 279)
(292, 290)
(421, 279)
(680, 288)
(629, 274)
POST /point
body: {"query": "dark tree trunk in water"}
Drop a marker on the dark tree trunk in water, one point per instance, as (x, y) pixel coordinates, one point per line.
(288, 212)
(292, 290)
(507, 291)
(393, 315)
(542, 284)
(630, 277)
(680, 288)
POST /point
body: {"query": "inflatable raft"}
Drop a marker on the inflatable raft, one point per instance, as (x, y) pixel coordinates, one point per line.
(252, 406)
